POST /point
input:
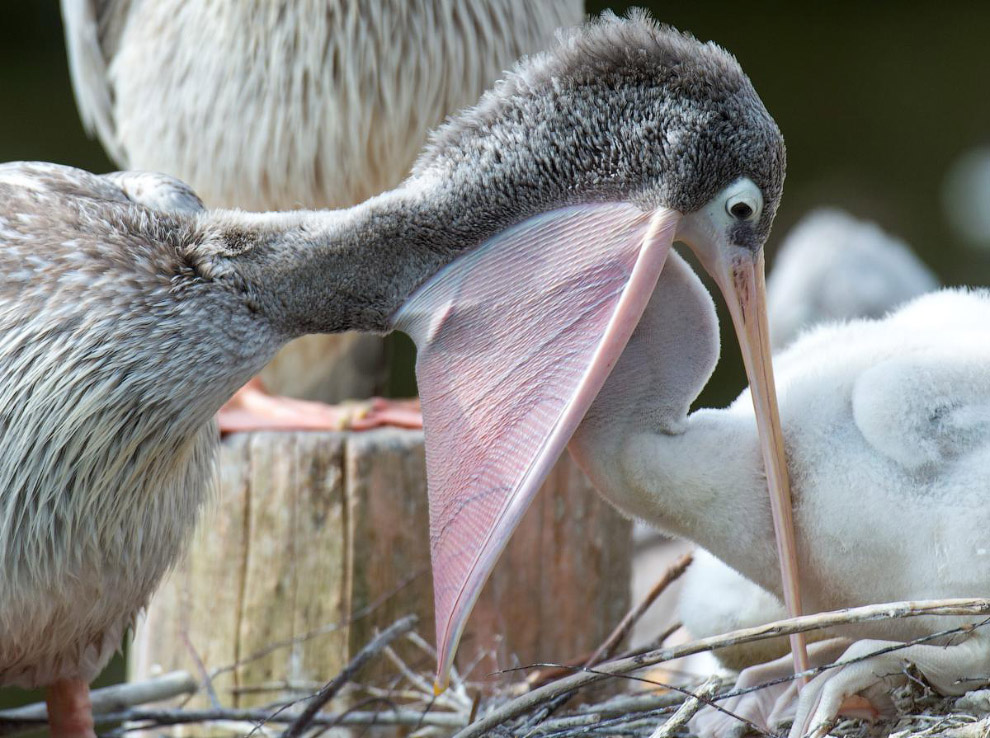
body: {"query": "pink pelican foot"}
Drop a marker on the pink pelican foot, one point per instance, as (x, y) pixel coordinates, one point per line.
(252, 408)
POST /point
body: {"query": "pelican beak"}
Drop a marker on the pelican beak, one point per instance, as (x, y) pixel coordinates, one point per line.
(515, 338)
(739, 273)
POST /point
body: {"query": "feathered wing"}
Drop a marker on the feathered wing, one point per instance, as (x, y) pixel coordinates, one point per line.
(929, 403)
(92, 32)
(150, 189)
(925, 410)
(515, 339)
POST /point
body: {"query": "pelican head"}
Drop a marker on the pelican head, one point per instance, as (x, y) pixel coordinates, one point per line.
(621, 110)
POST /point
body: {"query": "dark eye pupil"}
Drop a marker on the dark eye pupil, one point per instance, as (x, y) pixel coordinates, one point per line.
(741, 210)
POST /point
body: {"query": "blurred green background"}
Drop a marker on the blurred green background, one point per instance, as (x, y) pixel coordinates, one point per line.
(876, 102)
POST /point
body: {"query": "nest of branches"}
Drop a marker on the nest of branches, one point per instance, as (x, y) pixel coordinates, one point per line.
(539, 700)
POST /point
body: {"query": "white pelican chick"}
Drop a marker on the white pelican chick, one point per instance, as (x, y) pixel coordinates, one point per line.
(887, 426)
(830, 267)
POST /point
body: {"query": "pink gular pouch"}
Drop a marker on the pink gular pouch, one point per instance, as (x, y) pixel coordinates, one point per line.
(515, 339)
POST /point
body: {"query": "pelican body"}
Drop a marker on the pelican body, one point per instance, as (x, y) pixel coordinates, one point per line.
(520, 254)
(888, 437)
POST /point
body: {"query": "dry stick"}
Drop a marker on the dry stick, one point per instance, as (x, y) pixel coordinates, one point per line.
(655, 643)
(362, 657)
(211, 693)
(163, 718)
(688, 709)
(684, 694)
(604, 711)
(116, 698)
(712, 702)
(607, 648)
(888, 611)
(897, 646)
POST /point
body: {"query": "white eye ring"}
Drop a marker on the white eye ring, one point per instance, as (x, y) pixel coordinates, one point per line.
(743, 206)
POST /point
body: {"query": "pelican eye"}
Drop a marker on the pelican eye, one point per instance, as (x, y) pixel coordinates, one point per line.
(741, 206)
(741, 210)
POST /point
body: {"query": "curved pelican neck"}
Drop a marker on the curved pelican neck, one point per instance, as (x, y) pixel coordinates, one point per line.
(339, 270)
(702, 483)
(706, 484)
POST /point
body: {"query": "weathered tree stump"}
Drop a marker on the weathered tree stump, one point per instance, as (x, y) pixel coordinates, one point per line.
(318, 538)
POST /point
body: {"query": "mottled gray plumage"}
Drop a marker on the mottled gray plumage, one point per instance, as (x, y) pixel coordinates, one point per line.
(128, 315)
(619, 110)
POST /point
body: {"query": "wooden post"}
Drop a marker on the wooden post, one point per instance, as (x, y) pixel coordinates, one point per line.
(318, 538)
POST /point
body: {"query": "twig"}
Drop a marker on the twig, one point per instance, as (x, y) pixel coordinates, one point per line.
(624, 704)
(519, 705)
(118, 697)
(301, 687)
(580, 723)
(899, 646)
(211, 693)
(978, 729)
(411, 676)
(621, 706)
(107, 700)
(456, 692)
(362, 657)
(647, 714)
(608, 647)
(656, 642)
(688, 709)
(162, 718)
(549, 674)
(542, 676)
(410, 695)
(681, 691)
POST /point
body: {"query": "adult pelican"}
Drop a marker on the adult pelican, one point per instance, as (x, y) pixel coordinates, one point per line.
(519, 254)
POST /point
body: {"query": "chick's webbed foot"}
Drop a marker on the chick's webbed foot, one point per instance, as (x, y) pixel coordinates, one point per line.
(252, 408)
(949, 669)
(765, 707)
